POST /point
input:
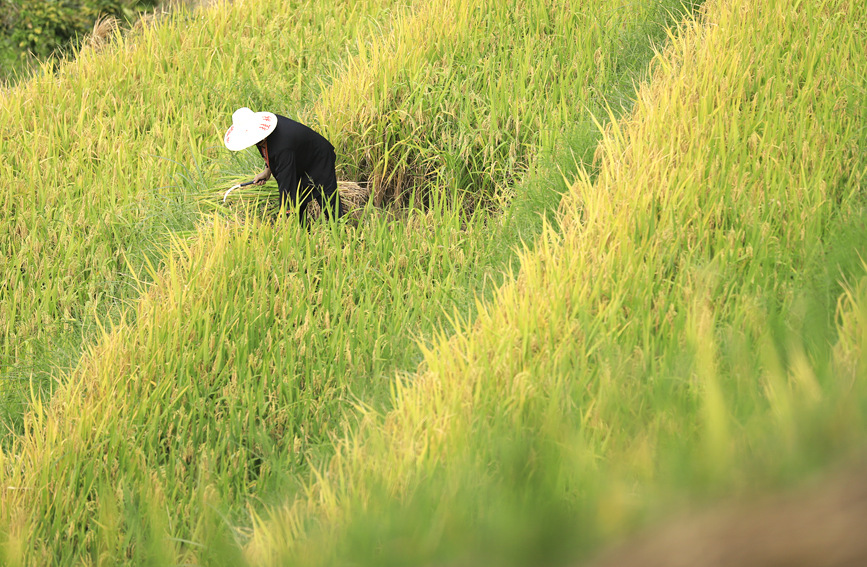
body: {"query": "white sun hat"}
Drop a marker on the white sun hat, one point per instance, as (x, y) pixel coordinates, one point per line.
(248, 128)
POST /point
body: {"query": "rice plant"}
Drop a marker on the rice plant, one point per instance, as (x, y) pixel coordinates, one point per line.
(664, 349)
(236, 349)
(103, 158)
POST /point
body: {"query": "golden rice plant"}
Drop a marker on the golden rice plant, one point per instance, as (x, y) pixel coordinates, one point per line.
(665, 345)
(250, 345)
(101, 159)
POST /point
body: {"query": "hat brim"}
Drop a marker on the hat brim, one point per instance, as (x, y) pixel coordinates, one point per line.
(242, 135)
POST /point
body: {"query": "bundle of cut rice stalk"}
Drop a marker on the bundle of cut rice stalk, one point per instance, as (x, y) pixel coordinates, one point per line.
(353, 198)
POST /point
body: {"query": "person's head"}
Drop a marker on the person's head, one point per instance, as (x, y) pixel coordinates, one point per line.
(249, 128)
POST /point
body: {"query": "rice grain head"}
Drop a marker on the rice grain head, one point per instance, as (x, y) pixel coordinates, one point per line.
(353, 197)
(103, 30)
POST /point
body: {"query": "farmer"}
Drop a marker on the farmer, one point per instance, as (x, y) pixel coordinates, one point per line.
(300, 159)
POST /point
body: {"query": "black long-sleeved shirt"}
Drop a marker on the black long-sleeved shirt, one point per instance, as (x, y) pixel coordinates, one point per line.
(298, 155)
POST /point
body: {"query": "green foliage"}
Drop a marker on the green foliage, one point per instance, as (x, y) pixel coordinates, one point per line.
(45, 27)
(10, 60)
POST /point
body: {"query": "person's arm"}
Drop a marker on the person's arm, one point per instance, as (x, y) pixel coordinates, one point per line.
(261, 178)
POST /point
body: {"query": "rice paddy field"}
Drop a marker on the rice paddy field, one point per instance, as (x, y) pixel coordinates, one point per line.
(609, 273)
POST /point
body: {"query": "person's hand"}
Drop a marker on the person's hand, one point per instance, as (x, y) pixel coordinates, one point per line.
(262, 177)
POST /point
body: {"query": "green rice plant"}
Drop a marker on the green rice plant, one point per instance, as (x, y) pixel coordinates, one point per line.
(255, 346)
(470, 93)
(656, 349)
(102, 158)
(258, 360)
(123, 165)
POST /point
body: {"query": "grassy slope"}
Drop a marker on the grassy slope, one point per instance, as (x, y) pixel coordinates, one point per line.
(127, 145)
(676, 341)
(102, 159)
(245, 356)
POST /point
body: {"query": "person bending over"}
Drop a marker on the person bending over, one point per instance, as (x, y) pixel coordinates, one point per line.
(300, 159)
